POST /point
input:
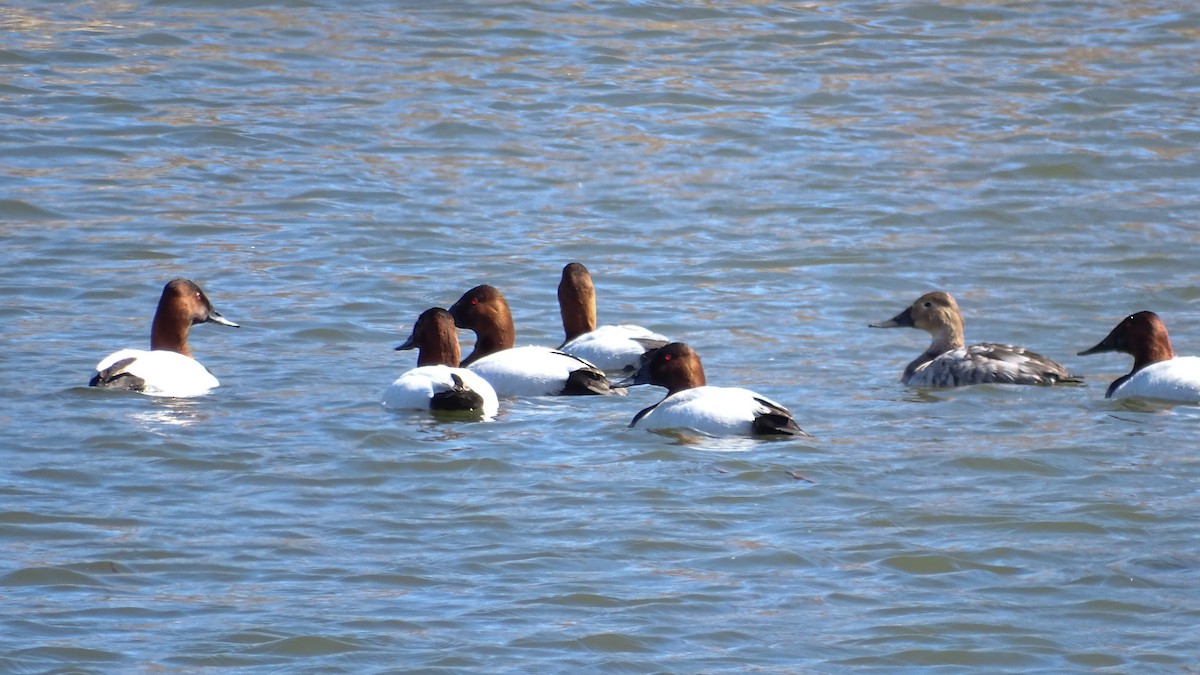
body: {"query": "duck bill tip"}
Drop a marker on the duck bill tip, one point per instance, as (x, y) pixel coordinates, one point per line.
(902, 320)
(1108, 344)
(633, 380)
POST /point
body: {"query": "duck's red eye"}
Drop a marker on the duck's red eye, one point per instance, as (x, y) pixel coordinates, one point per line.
(474, 301)
(197, 295)
(666, 357)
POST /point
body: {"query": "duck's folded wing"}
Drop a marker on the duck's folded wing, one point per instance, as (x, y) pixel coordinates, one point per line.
(992, 363)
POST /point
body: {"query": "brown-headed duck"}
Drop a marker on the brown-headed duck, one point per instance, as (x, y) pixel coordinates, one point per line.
(618, 348)
(1157, 373)
(437, 383)
(519, 371)
(168, 368)
(691, 403)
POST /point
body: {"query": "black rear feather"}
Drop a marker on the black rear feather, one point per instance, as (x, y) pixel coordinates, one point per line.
(589, 382)
(777, 421)
(460, 397)
(115, 377)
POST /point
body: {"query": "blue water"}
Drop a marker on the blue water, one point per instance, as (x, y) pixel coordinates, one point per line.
(761, 181)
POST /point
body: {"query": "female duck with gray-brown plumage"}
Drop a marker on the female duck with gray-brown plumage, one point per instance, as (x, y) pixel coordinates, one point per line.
(949, 363)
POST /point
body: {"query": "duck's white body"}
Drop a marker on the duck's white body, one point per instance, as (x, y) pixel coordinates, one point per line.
(1176, 379)
(426, 387)
(156, 373)
(615, 348)
(716, 411)
(528, 371)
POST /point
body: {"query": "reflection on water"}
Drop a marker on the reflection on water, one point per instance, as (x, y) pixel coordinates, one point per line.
(171, 412)
(698, 441)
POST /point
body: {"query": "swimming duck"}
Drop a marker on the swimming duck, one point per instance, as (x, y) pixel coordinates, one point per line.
(519, 371)
(168, 368)
(1157, 372)
(437, 383)
(691, 403)
(612, 348)
(948, 363)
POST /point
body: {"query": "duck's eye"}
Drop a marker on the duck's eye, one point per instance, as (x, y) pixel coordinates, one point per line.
(928, 304)
(666, 357)
(197, 295)
(474, 301)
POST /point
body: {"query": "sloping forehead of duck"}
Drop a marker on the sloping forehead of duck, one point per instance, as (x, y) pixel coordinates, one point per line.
(181, 286)
(936, 298)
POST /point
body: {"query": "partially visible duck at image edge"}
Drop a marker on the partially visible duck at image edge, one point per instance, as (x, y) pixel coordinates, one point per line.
(948, 363)
(168, 368)
(437, 383)
(520, 371)
(1157, 373)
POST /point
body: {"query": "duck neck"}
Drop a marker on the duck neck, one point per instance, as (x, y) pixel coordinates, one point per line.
(170, 332)
(948, 336)
(1156, 348)
(497, 335)
(689, 378)
(442, 352)
(578, 309)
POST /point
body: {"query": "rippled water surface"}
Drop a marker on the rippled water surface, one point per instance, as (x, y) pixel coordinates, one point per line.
(759, 180)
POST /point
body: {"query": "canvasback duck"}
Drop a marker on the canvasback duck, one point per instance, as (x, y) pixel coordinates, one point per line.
(519, 371)
(948, 363)
(618, 348)
(437, 383)
(1157, 372)
(168, 368)
(691, 403)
